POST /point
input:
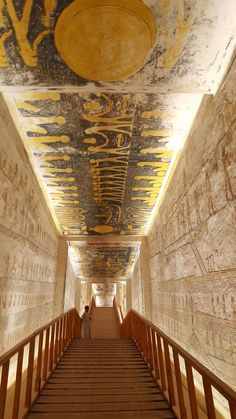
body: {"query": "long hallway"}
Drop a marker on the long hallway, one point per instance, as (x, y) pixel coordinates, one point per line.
(118, 189)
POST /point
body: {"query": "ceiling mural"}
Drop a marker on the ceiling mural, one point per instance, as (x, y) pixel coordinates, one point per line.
(106, 261)
(102, 158)
(159, 45)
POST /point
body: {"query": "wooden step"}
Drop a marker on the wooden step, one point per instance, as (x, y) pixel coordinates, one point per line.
(104, 385)
(161, 414)
(99, 407)
(47, 391)
(113, 398)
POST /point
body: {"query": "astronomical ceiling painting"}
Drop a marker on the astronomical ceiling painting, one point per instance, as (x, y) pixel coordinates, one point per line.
(103, 93)
(93, 262)
(102, 158)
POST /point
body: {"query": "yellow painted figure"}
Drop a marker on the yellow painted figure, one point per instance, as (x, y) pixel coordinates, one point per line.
(85, 328)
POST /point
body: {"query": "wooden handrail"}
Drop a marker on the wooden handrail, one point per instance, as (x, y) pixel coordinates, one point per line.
(155, 347)
(56, 336)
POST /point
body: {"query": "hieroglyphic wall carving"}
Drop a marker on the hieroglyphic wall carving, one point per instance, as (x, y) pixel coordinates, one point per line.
(72, 288)
(193, 241)
(28, 242)
(121, 298)
(85, 295)
(137, 291)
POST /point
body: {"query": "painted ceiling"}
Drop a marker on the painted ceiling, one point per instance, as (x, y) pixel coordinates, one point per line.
(103, 93)
(102, 158)
(151, 45)
(94, 262)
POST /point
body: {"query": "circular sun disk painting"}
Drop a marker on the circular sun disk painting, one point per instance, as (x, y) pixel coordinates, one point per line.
(105, 40)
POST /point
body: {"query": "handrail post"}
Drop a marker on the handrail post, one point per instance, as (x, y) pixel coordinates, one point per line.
(161, 363)
(191, 391)
(64, 332)
(51, 348)
(39, 363)
(155, 359)
(56, 342)
(3, 388)
(209, 398)
(46, 352)
(169, 374)
(232, 407)
(182, 407)
(16, 403)
(28, 395)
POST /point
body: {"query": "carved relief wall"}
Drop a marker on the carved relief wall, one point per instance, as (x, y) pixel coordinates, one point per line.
(121, 297)
(72, 288)
(85, 295)
(136, 289)
(193, 242)
(28, 242)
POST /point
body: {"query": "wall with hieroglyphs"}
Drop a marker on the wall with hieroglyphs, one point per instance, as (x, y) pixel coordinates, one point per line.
(193, 240)
(86, 295)
(136, 288)
(72, 288)
(120, 296)
(28, 243)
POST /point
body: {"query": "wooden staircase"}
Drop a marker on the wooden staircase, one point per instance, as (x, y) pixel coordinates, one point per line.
(104, 323)
(101, 379)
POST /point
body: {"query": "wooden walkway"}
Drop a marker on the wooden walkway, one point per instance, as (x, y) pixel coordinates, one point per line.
(101, 379)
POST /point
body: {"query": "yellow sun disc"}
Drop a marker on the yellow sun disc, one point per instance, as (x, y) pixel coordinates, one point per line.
(105, 40)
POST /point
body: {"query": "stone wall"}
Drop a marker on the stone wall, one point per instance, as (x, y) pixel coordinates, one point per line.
(121, 297)
(28, 242)
(193, 240)
(136, 288)
(85, 295)
(72, 289)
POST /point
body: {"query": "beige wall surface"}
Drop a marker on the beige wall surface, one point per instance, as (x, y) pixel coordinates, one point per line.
(192, 243)
(72, 289)
(136, 288)
(86, 294)
(121, 297)
(28, 243)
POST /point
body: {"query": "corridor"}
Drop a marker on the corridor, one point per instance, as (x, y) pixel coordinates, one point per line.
(117, 174)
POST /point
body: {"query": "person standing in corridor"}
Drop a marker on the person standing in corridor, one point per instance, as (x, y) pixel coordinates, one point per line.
(85, 328)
